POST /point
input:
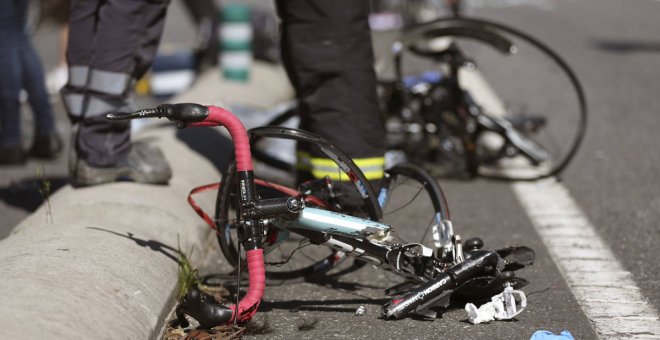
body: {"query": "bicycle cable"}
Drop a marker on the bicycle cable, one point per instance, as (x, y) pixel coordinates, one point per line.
(281, 263)
(406, 204)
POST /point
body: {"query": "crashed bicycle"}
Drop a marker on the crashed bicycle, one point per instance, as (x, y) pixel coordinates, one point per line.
(438, 121)
(433, 118)
(265, 214)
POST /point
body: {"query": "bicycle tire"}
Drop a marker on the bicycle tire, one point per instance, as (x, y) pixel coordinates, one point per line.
(474, 25)
(405, 182)
(322, 263)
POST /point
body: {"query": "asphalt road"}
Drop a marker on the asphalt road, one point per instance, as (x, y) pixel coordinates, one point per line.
(614, 48)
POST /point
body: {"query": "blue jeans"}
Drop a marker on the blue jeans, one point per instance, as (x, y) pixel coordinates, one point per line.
(20, 68)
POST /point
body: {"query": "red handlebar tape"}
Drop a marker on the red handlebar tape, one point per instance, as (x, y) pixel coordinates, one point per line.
(220, 116)
(248, 306)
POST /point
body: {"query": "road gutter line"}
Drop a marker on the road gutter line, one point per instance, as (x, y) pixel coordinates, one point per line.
(604, 290)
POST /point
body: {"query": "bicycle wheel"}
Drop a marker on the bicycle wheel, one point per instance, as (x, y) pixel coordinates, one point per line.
(516, 134)
(414, 203)
(356, 198)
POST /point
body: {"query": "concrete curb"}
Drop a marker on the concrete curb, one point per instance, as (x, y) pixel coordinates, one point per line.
(106, 266)
(101, 262)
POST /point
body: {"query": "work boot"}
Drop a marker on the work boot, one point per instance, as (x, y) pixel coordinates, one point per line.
(46, 146)
(143, 164)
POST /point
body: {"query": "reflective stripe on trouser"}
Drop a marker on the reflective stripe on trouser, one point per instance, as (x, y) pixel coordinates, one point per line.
(88, 96)
(94, 92)
(372, 167)
(113, 83)
(98, 141)
(86, 106)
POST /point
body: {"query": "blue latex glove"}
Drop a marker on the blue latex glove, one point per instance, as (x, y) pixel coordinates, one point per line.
(545, 335)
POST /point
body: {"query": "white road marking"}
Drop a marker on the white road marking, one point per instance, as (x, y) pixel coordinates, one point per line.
(606, 292)
(474, 83)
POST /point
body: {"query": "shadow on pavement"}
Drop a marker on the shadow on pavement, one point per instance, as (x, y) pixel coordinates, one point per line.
(228, 280)
(319, 305)
(151, 244)
(627, 46)
(210, 143)
(330, 281)
(29, 194)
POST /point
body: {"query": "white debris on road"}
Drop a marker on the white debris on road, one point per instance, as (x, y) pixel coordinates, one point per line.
(503, 306)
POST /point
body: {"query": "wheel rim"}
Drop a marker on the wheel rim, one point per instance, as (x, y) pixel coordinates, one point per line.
(563, 157)
(407, 188)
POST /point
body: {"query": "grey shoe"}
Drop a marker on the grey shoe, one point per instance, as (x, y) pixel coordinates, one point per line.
(143, 164)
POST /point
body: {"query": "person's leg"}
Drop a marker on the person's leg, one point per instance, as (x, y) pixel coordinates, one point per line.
(102, 70)
(118, 53)
(47, 143)
(204, 13)
(83, 20)
(152, 30)
(327, 51)
(33, 83)
(10, 84)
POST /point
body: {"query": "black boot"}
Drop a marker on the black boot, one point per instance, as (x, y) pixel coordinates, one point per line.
(12, 155)
(46, 146)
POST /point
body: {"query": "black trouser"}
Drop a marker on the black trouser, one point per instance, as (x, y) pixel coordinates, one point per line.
(111, 43)
(327, 53)
(205, 16)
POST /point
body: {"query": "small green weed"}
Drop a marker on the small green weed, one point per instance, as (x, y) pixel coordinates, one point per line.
(44, 191)
(188, 274)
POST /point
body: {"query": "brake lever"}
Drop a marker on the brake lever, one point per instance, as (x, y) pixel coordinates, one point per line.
(183, 113)
(144, 113)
